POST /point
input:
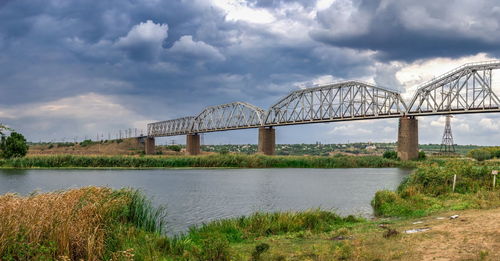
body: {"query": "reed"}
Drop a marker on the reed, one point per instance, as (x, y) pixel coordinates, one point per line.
(75, 224)
(208, 161)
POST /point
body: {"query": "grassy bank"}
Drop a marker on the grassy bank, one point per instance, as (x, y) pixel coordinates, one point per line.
(430, 189)
(102, 224)
(210, 161)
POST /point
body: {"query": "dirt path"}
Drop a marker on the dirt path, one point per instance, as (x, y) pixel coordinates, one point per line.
(474, 235)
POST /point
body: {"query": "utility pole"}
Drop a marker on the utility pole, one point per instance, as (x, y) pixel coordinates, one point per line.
(447, 145)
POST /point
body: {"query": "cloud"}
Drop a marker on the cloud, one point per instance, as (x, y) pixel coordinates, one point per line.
(160, 61)
(239, 10)
(186, 47)
(408, 30)
(144, 41)
(84, 115)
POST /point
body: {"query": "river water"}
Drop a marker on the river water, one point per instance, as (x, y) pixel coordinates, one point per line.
(194, 196)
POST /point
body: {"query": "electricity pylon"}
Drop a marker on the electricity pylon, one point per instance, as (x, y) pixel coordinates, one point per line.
(447, 145)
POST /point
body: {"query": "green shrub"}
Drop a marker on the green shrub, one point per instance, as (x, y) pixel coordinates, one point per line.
(175, 148)
(421, 155)
(13, 146)
(480, 154)
(86, 143)
(390, 154)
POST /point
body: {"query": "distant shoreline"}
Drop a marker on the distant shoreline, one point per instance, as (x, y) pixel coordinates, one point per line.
(205, 161)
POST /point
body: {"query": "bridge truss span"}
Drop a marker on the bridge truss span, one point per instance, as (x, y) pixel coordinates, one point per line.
(173, 127)
(231, 116)
(336, 102)
(466, 89)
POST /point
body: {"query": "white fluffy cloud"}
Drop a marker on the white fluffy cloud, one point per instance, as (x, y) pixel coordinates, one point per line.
(186, 46)
(144, 41)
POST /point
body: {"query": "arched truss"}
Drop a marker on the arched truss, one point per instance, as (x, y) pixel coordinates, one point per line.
(236, 115)
(171, 127)
(336, 102)
(465, 89)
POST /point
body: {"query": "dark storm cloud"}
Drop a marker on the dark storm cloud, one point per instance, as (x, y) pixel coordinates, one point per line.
(155, 60)
(409, 30)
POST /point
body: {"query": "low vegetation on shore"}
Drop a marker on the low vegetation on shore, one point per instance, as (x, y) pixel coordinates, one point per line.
(206, 161)
(450, 185)
(103, 224)
(485, 153)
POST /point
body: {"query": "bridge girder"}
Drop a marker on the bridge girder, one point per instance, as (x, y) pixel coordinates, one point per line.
(336, 102)
(236, 115)
(466, 89)
(173, 127)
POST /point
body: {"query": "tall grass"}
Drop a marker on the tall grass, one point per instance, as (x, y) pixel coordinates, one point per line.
(230, 160)
(430, 189)
(75, 224)
(142, 214)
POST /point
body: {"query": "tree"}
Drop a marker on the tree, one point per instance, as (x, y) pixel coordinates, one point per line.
(14, 146)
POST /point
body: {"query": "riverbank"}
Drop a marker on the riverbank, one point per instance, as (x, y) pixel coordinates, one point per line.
(103, 224)
(208, 161)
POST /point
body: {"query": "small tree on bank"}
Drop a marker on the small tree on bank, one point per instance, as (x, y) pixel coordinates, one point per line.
(13, 146)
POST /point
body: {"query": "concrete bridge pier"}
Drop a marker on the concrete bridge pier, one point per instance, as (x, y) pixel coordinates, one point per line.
(193, 144)
(149, 146)
(408, 138)
(267, 140)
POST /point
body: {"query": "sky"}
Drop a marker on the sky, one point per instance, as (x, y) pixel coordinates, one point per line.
(83, 68)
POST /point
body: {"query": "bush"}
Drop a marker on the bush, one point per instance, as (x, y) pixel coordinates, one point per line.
(175, 148)
(14, 146)
(390, 154)
(484, 153)
(86, 143)
(421, 155)
(480, 154)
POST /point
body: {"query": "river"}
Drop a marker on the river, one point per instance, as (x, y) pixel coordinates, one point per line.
(194, 196)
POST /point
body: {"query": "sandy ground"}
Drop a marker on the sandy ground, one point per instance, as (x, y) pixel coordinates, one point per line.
(474, 235)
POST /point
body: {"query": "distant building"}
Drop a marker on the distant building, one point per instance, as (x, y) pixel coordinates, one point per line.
(371, 147)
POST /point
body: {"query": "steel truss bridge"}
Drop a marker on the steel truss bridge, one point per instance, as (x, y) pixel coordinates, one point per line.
(467, 89)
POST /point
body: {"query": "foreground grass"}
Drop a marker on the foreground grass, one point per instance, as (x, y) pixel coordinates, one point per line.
(219, 161)
(103, 224)
(76, 224)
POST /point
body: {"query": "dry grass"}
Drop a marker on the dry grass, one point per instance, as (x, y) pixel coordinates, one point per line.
(72, 224)
(126, 147)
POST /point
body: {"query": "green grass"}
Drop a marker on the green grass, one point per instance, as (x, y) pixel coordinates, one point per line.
(211, 161)
(430, 189)
(215, 240)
